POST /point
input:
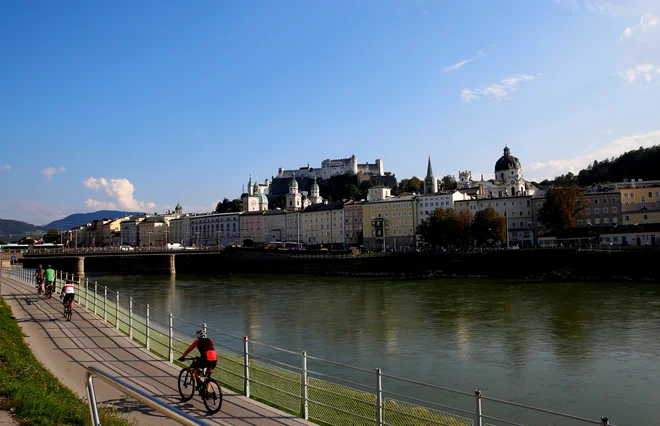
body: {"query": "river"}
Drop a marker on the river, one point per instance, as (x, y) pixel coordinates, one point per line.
(588, 349)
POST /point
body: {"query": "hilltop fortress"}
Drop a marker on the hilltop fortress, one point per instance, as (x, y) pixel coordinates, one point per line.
(329, 168)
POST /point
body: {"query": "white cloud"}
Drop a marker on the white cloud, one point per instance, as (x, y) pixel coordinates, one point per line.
(120, 190)
(49, 172)
(639, 50)
(459, 64)
(5, 168)
(552, 168)
(497, 91)
(613, 7)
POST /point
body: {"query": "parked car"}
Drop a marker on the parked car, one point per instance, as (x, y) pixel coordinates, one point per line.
(126, 248)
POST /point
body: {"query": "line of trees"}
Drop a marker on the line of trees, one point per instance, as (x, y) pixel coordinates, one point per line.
(449, 229)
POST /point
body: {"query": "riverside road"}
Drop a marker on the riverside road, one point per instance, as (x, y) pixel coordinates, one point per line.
(66, 348)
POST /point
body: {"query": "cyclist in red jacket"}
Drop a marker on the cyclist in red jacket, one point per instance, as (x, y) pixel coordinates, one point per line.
(209, 358)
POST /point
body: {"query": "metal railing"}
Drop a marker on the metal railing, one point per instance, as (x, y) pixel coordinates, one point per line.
(314, 388)
(128, 389)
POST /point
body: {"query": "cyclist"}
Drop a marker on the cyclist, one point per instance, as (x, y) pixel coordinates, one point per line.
(50, 277)
(39, 275)
(68, 291)
(208, 359)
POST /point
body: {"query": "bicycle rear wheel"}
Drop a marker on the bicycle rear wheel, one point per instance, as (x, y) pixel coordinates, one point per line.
(68, 312)
(186, 384)
(48, 293)
(212, 396)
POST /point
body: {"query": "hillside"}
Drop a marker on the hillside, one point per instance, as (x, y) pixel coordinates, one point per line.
(14, 230)
(83, 218)
(640, 163)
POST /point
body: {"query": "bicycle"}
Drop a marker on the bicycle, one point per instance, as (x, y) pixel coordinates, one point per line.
(38, 285)
(67, 310)
(49, 290)
(210, 390)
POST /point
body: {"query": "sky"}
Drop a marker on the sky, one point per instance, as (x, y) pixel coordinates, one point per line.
(140, 105)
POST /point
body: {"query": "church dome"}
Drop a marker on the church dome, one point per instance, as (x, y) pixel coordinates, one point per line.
(507, 161)
(315, 186)
(263, 199)
(294, 182)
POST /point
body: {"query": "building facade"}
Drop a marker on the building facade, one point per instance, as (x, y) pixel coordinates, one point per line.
(153, 232)
(294, 227)
(275, 225)
(215, 229)
(390, 223)
(323, 224)
(600, 209)
(353, 228)
(130, 232)
(641, 213)
(338, 167)
(426, 204)
(252, 228)
(518, 211)
(635, 195)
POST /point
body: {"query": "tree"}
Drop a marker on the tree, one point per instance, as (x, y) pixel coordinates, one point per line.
(409, 185)
(364, 187)
(448, 182)
(441, 228)
(351, 192)
(488, 227)
(568, 179)
(226, 206)
(52, 236)
(280, 202)
(2, 241)
(463, 228)
(562, 207)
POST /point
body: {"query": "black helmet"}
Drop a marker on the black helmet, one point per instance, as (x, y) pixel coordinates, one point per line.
(49, 266)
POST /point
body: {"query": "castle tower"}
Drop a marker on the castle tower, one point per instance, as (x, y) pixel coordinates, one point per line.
(430, 182)
(250, 188)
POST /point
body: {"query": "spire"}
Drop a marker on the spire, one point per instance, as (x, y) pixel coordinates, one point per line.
(429, 169)
(507, 151)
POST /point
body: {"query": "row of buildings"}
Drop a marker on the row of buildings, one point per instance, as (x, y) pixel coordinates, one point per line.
(629, 211)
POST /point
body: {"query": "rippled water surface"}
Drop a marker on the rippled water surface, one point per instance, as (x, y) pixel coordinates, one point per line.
(589, 349)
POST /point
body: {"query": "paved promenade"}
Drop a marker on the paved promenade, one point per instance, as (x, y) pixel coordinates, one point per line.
(66, 348)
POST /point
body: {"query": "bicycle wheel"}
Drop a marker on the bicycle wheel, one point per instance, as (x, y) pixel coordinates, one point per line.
(212, 396)
(39, 289)
(68, 312)
(48, 293)
(186, 384)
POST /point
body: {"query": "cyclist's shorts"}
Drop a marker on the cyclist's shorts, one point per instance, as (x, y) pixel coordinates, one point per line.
(209, 365)
(67, 298)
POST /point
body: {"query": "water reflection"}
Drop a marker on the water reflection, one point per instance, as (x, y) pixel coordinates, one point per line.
(510, 339)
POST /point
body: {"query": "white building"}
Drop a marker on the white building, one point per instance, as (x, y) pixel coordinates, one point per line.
(215, 229)
(180, 230)
(379, 193)
(323, 224)
(275, 225)
(338, 167)
(153, 232)
(508, 182)
(255, 200)
(426, 204)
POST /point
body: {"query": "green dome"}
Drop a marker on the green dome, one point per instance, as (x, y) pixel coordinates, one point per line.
(315, 186)
(294, 182)
(263, 199)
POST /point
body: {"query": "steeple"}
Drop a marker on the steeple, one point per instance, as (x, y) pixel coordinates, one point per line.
(430, 182)
(429, 169)
(250, 188)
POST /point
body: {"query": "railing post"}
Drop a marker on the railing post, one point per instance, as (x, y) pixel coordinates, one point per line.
(146, 323)
(169, 340)
(95, 293)
(605, 421)
(480, 420)
(303, 390)
(379, 397)
(117, 311)
(91, 397)
(130, 317)
(246, 367)
(86, 293)
(105, 303)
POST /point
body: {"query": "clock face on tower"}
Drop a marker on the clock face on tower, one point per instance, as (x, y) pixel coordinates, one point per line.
(253, 204)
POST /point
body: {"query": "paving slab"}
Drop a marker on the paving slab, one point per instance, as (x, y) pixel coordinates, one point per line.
(66, 348)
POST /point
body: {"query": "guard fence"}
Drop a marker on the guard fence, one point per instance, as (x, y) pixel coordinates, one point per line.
(321, 390)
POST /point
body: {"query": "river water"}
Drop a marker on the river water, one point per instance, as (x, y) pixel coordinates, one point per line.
(588, 349)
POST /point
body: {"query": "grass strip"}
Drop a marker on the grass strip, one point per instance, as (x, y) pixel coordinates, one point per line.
(31, 391)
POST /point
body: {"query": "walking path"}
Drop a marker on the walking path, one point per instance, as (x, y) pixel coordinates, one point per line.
(66, 348)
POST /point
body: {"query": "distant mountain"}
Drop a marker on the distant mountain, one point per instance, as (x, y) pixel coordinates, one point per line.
(83, 218)
(15, 230)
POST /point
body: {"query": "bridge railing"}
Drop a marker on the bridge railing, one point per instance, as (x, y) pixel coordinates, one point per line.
(322, 390)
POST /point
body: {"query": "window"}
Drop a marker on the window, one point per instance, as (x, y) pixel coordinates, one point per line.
(605, 210)
(643, 199)
(650, 194)
(587, 211)
(614, 209)
(597, 221)
(625, 195)
(604, 200)
(606, 220)
(596, 201)
(538, 205)
(632, 195)
(615, 219)
(596, 210)
(626, 218)
(646, 217)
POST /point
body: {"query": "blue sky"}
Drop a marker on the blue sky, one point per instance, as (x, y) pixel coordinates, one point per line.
(138, 105)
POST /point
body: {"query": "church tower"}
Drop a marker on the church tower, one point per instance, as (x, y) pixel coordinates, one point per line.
(293, 198)
(315, 193)
(430, 182)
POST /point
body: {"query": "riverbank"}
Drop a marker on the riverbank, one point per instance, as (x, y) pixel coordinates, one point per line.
(30, 391)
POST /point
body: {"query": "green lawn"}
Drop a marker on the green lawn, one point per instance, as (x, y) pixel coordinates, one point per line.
(31, 391)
